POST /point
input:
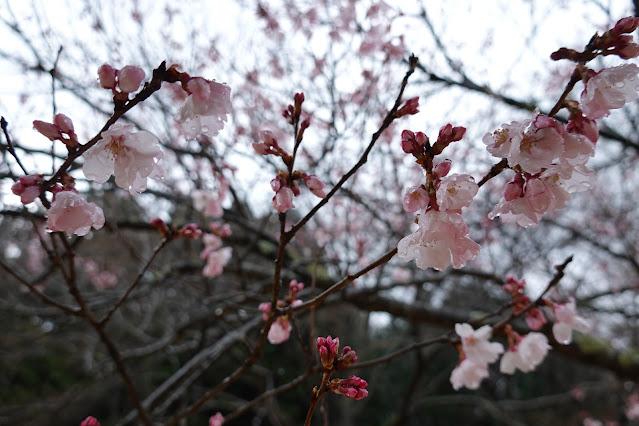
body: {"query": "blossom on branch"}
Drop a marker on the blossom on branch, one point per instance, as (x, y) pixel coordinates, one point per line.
(71, 213)
(130, 156)
(442, 239)
(205, 109)
(90, 421)
(468, 374)
(610, 88)
(216, 420)
(526, 355)
(28, 188)
(475, 343)
(567, 320)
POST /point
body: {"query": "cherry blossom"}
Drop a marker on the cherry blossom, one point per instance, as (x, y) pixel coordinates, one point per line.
(475, 343)
(416, 198)
(456, 191)
(527, 355)
(468, 374)
(130, 156)
(567, 320)
(208, 203)
(610, 88)
(632, 407)
(28, 188)
(283, 199)
(127, 79)
(315, 185)
(216, 256)
(205, 109)
(442, 238)
(71, 213)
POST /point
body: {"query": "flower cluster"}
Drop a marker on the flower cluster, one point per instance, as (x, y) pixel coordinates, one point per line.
(549, 161)
(130, 156)
(442, 236)
(280, 330)
(328, 348)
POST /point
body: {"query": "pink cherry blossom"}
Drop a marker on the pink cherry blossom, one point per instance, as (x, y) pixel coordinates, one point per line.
(71, 213)
(475, 343)
(528, 354)
(442, 238)
(280, 331)
(567, 320)
(130, 156)
(205, 109)
(28, 188)
(456, 191)
(415, 198)
(468, 374)
(535, 318)
(610, 88)
(216, 420)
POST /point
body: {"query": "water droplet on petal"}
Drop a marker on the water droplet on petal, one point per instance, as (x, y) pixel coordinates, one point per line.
(620, 84)
(205, 129)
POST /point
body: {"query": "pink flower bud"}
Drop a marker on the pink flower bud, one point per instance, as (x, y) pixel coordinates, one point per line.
(49, 130)
(276, 184)
(90, 421)
(190, 231)
(443, 168)
(295, 287)
(625, 25)
(129, 78)
(159, 224)
(348, 358)
(64, 123)
(106, 74)
(409, 108)
(268, 138)
(315, 185)
(353, 387)
(261, 148)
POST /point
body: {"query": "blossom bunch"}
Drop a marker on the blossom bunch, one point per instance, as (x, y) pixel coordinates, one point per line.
(280, 330)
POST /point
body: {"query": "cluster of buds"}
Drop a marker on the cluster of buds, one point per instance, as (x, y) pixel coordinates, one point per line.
(280, 330)
(121, 82)
(328, 348)
(61, 129)
(285, 187)
(418, 144)
(353, 387)
(616, 41)
(534, 316)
